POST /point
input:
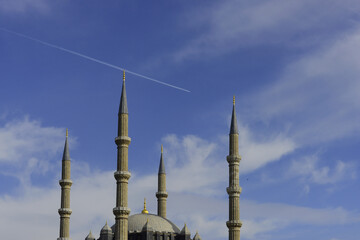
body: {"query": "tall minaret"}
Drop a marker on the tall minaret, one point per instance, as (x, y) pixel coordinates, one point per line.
(161, 193)
(234, 190)
(122, 175)
(65, 183)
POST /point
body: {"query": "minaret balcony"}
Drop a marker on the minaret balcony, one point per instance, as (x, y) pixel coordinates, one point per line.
(65, 183)
(234, 190)
(233, 159)
(123, 140)
(121, 211)
(161, 194)
(122, 176)
(234, 224)
(65, 211)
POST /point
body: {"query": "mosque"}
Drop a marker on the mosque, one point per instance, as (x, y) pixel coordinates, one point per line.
(146, 226)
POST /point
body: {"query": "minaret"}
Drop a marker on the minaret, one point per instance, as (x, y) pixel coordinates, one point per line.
(65, 183)
(122, 175)
(234, 190)
(161, 193)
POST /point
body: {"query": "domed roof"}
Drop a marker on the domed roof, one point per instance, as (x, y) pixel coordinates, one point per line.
(136, 223)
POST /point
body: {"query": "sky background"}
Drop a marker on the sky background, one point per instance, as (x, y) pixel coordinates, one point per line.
(294, 67)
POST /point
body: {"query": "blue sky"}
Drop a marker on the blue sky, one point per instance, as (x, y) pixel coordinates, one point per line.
(294, 67)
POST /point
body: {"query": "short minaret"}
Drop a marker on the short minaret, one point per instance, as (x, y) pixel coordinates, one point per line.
(122, 175)
(234, 190)
(161, 193)
(65, 183)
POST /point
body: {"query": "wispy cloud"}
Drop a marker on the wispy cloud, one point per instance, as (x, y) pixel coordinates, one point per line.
(228, 25)
(23, 6)
(317, 94)
(258, 153)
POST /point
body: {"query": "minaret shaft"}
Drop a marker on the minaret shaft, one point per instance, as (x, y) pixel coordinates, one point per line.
(65, 183)
(161, 195)
(122, 175)
(234, 189)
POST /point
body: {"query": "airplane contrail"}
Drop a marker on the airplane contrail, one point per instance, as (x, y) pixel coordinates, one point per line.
(91, 59)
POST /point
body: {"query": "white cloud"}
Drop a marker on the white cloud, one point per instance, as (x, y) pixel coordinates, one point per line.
(93, 197)
(27, 147)
(191, 160)
(196, 175)
(290, 214)
(308, 169)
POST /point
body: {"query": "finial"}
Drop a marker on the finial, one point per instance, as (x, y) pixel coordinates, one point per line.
(106, 222)
(123, 75)
(162, 148)
(67, 132)
(234, 100)
(145, 211)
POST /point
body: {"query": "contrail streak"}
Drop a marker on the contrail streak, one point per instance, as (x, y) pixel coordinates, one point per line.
(92, 59)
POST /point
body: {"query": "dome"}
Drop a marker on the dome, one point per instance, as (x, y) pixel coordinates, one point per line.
(136, 223)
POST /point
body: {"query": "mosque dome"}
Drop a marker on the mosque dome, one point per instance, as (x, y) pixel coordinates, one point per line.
(136, 223)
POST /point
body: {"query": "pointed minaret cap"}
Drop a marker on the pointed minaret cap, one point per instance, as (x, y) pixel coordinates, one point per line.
(197, 236)
(90, 236)
(185, 230)
(123, 101)
(162, 165)
(147, 227)
(233, 126)
(66, 154)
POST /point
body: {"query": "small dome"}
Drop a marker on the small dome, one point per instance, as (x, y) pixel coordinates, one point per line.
(197, 236)
(136, 223)
(90, 237)
(106, 229)
(185, 230)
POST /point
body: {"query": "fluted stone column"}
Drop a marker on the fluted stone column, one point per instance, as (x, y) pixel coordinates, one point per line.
(161, 193)
(122, 175)
(65, 183)
(234, 190)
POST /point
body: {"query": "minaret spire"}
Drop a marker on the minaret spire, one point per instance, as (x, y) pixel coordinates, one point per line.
(233, 126)
(65, 183)
(234, 190)
(161, 193)
(123, 101)
(122, 175)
